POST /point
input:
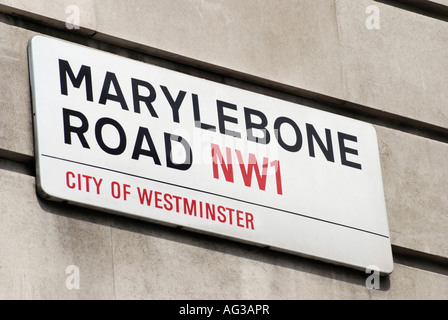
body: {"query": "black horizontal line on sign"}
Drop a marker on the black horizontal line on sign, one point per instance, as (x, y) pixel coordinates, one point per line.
(213, 194)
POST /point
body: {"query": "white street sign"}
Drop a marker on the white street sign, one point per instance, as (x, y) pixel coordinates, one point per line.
(139, 140)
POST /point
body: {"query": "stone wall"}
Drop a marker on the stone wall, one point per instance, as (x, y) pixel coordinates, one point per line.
(317, 53)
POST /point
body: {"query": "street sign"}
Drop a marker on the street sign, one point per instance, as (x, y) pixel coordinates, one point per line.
(139, 140)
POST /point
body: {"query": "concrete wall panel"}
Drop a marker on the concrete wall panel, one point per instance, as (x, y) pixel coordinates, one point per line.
(76, 15)
(15, 102)
(399, 68)
(415, 178)
(39, 240)
(280, 41)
